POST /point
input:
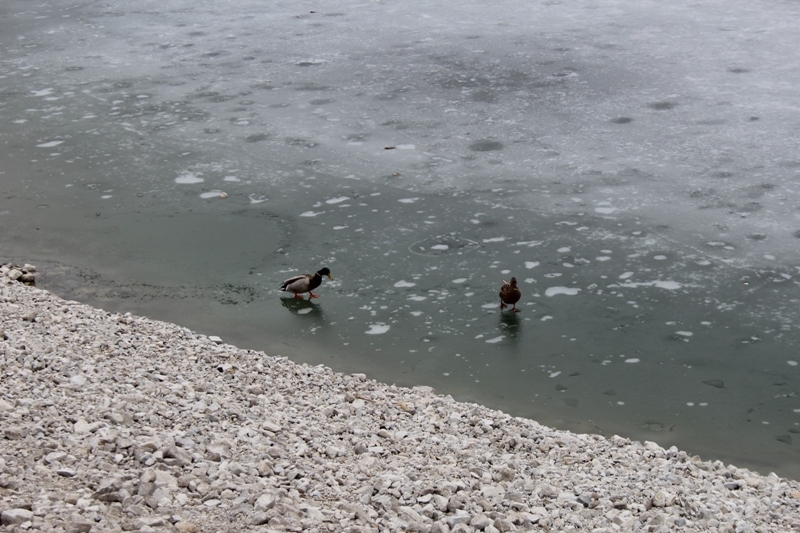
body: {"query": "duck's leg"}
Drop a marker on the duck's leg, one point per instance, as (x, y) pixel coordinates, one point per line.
(502, 305)
(312, 295)
(515, 310)
(297, 295)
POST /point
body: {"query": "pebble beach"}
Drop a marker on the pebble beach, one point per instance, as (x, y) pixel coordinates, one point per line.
(116, 422)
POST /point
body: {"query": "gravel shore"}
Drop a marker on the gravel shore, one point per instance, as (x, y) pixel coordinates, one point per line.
(115, 422)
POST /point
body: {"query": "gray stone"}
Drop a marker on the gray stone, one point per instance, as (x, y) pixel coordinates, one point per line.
(182, 457)
(78, 526)
(11, 517)
(15, 432)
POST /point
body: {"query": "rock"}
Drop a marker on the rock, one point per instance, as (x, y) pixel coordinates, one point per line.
(78, 526)
(5, 406)
(181, 457)
(11, 517)
(265, 502)
(663, 499)
(259, 519)
(270, 426)
(78, 381)
(83, 427)
(15, 433)
(480, 522)
(14, 274)
(185, 527)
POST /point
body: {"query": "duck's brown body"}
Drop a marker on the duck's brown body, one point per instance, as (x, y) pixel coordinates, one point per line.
(510, 295)
(305, 283)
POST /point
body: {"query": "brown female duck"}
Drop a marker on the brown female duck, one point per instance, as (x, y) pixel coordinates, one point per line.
(510, 295)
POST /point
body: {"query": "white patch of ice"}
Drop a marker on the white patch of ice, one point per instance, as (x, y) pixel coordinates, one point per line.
(377, 329)
(495, 340)
(553, 291)
(416, 313)
(602, 258)
(661, 284)
(407, 200)
(257, 198)
(230, 178)
(489, 306)
(605, 210)
(304, 311)
(632, 360)
(417, 298)
(792, 363)
(531, 264)
(188, 178)
(460, 280)
(554, 374)
(403, 283)
(684, 333)
(311, 213)
(49, 144)
(211, 194)
(495, 239)
(106, 196)
(546, 318)
(659, 257)
(337, 200)
(340, 227)
(440, 247)
(564, 250)
(43, 92)
(626, 275)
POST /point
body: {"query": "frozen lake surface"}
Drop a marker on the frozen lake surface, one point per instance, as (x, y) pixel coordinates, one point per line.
(635, 165)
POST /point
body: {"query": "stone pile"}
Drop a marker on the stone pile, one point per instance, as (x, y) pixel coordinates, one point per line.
(24, 274)
(114, 422)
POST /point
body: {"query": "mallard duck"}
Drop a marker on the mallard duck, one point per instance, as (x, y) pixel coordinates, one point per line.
(510, 295)
(305, 283)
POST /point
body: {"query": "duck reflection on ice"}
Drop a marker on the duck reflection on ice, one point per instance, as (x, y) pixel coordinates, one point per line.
(302, 307)
(510, 325)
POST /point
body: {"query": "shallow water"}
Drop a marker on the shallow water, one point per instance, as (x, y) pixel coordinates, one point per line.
(632, 165)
